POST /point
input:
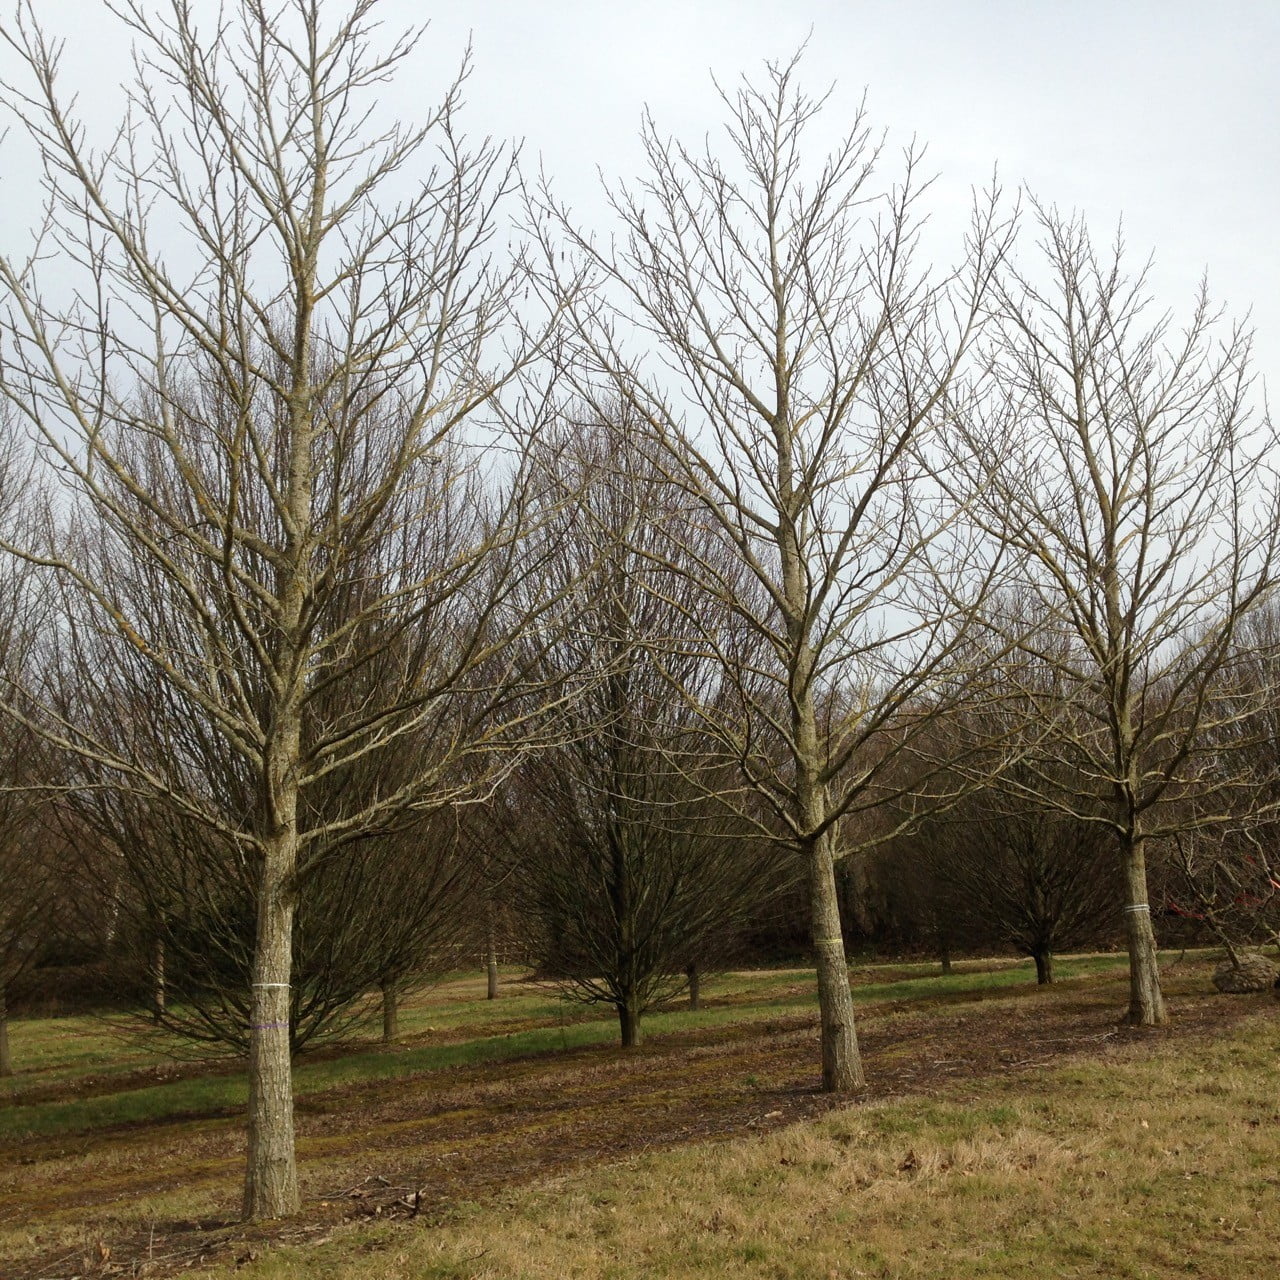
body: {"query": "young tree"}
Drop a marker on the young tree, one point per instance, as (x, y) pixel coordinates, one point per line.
(801, 362)
(635, 870)
(1128, 465)
(1033, 879)
(1008, 864)
(287, 330)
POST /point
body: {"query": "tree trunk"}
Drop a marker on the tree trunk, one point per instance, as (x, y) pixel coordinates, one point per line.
(490, 952)
(944, 950)
(695, 994)
(1044, 966)
(841, 1062)
(271, 1172)
(271, 1176)
(1146, 1000)
(113, 917)
(390, 1012)
(6, 1062)
(629, 1023)
(157, 976)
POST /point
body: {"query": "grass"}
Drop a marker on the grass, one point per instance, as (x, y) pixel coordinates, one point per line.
(69, 1051)
(1134, 1166)
(51, 1051)
(1115, 1167)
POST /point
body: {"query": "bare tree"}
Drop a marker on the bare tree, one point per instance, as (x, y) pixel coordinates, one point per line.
(26, 901)
(1008, 863)
(801, 359)
(1228, 878)
(1127, 463)
(27, 876)
(282, 344)
(373, 905)
(635, 869)
(1033, 879)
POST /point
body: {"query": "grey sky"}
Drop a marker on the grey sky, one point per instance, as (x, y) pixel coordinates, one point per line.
(1161, 110)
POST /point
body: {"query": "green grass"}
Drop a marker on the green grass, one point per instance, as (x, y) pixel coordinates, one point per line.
(68, 1050)
(52, 1051)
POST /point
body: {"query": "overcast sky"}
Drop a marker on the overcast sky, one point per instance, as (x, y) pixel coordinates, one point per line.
(1163, 111)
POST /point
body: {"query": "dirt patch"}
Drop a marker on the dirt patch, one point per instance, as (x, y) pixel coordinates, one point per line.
(415, 1148)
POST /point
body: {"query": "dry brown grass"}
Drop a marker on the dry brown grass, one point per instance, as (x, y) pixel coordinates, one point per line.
(1138, 1164)
(1007, 1132)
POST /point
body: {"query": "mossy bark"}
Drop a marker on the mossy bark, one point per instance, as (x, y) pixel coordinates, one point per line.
(841, 1063)
(271, 1175)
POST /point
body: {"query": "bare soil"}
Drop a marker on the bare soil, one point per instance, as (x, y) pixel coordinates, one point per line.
(415, 1149)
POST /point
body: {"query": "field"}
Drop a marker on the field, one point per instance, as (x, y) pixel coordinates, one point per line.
(1008, 1131)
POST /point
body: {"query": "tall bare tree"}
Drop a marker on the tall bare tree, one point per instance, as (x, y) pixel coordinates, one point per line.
(289, 335)
(801, 357)
(1128, 463)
